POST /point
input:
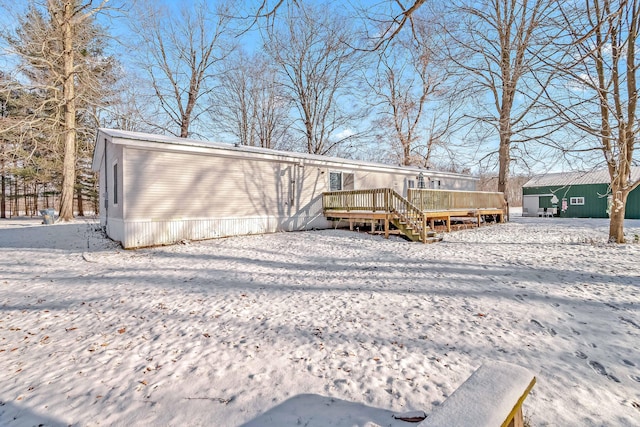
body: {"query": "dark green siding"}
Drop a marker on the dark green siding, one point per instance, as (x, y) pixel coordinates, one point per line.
(545, 202)
(633, 205)
(595, 200)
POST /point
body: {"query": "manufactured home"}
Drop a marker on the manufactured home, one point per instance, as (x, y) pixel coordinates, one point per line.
(159, 190)
(575, 195)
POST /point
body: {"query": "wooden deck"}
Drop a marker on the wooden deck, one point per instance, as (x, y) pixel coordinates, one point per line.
(414, 216)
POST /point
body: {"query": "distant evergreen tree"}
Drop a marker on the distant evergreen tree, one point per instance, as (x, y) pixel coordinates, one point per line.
(63, 65)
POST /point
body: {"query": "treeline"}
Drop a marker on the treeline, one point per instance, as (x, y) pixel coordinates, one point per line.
(494, 87)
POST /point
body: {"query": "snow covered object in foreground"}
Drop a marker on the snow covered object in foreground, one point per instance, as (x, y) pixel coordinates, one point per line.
(492, 396)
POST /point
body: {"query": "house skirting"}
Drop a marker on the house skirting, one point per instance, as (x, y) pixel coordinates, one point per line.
(153, 232)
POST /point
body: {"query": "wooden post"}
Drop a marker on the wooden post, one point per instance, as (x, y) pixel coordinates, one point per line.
(424, 228)
(375, 197)
(386, 226)
(350, 224)
(518, 419)
(387, 206)
(448, 220)
(479, 219)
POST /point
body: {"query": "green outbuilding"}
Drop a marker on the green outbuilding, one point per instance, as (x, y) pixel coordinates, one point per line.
(575, 195)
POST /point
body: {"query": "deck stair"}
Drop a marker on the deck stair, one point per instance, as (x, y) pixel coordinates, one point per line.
(413, 220)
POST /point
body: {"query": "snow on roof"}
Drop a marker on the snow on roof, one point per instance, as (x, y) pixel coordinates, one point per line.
(599, 176)
(176, 141)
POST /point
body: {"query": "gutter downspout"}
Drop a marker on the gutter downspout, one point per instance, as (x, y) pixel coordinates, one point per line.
(106, 188)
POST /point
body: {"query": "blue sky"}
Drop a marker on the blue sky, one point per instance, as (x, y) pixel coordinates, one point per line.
(119, 29)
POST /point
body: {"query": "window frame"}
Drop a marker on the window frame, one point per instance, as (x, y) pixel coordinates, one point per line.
(342, 180)
(576, 201)
(331, 181)
(114, 171)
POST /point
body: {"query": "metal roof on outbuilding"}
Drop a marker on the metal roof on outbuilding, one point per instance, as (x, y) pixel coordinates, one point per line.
(599, 176)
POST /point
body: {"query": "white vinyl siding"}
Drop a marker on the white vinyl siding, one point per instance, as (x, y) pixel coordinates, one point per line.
(348, 181)
(164, 185)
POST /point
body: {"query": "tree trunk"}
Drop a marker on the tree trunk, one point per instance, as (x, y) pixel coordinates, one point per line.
(25, 198)
(16, 200)
(406, 155)
(35, 198)
(504, 164)
(3, 200)
(184, 128)
(186, 117)
(69, 163)
(616, 219)
(80, 201)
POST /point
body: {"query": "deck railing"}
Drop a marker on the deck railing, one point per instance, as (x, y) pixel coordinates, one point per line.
(383, 199)
(445, 200)
(374, 200)
(377, 200)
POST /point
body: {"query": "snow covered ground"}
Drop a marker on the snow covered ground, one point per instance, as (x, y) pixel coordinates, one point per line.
(314, 328)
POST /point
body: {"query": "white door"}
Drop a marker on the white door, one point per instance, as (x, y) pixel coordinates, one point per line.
(530, 205)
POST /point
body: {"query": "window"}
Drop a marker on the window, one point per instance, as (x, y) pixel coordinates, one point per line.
(577, 201)
(335, 181)
(411, 183)
(421, 181)
(115, 183)
(341, 181)
(435, 184)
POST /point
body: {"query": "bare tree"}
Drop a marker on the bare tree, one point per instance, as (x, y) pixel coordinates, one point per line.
(504, 43)
(250, 103)
(180, 54)
(318, 68)
(57, 42)
(410, 73)
(598, 94)
(128, 107)
(388, 17)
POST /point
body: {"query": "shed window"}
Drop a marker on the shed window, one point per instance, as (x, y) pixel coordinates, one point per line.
(577, 201)
(115, 183)
(341, 181)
